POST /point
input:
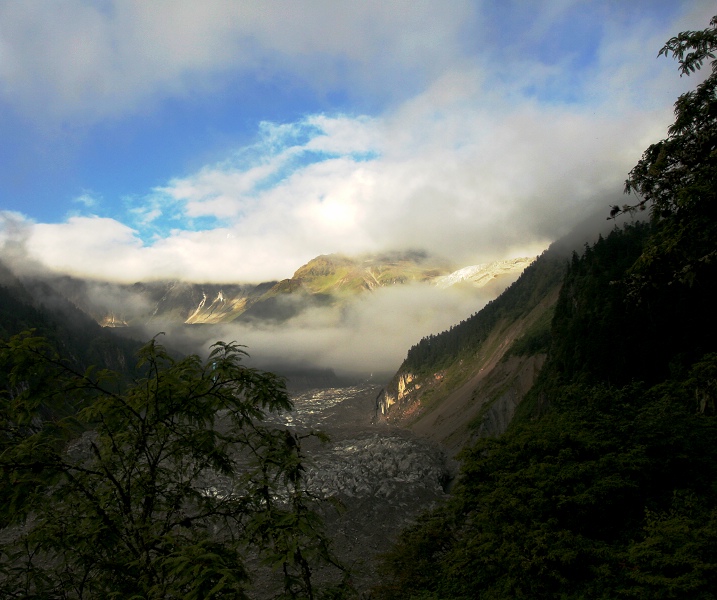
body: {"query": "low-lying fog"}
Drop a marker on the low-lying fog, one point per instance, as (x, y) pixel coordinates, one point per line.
(370, 334)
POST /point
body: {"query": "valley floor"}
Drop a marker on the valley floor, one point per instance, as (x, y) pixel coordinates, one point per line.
(382, 476)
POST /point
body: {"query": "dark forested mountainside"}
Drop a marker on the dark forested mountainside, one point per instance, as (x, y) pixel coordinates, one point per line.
(463, 339)
(469, 379)
(605, 484)
(647, 336)
(74, 334)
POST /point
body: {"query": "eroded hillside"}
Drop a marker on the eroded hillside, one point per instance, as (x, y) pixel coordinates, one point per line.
(469, 380)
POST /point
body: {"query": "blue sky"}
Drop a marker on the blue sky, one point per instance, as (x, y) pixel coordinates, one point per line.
(234, 141)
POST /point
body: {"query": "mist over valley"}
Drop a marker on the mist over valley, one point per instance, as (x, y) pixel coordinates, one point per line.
(354, 316)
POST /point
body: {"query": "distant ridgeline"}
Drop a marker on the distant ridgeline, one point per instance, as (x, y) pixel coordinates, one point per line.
(326, 281)
(604, 485)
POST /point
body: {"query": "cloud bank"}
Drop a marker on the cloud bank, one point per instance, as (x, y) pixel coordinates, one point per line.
(369, 335)
(471, 184)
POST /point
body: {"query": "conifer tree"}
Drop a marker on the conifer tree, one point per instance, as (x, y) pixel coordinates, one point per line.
(676, 177)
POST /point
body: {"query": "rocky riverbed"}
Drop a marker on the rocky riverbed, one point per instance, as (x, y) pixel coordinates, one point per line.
(382, 476)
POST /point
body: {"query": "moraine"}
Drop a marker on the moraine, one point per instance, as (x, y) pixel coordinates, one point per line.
(382, 476)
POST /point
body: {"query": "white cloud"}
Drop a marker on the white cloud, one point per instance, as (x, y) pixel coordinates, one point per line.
(86, 60)
(468, 183)
(370, 334)
(107, 245)
(87, 200)
(474, 167)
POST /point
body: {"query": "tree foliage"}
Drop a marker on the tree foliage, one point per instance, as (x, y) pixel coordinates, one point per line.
(176, 487)
(676, 177)
(600, 334)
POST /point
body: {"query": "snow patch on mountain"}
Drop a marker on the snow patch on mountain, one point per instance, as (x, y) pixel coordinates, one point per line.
(483, 274)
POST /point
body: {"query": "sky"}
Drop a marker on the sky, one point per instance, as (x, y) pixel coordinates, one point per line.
(233, 141)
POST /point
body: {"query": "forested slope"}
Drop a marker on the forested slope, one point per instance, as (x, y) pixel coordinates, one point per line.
(470, 378)
(73, 334)
(605, 484)
(438, 351)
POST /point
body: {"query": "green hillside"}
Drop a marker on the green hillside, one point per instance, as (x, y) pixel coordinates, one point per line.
(445, 387)
(336, 273)
(465, 338)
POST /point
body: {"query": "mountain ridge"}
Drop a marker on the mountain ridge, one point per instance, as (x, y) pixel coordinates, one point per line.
(327, 280)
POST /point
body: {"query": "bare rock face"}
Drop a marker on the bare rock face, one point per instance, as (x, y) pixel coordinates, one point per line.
(396, 394)
(482, 405)
(112, 321)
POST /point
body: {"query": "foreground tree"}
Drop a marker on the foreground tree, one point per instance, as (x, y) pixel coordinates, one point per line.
(677, 177)
(173, 488)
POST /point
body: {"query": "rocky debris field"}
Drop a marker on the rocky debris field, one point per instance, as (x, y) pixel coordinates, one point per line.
(380, 476)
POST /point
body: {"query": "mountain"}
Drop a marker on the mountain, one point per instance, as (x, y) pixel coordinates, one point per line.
(336, 273)
(35, 305)
(335, 279)
(467, 382)
(603, 480)
(469, 379)
(327, 280)
(113, 304)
